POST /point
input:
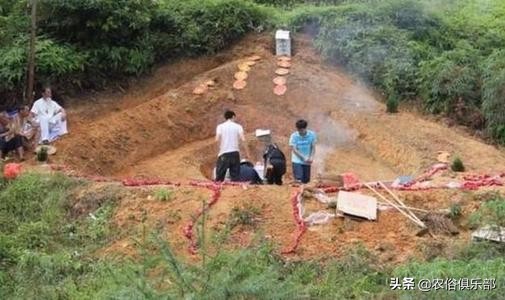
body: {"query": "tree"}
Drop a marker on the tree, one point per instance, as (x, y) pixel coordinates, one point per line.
(31, 55)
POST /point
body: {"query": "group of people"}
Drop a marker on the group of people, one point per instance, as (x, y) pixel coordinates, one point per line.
(230, 134)
(24, 128)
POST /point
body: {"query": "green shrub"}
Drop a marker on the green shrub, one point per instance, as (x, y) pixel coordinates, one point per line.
(491, 213)
(457, 165)
(55, 62)
(246, 216)
(85, 44)
(455, 211)
(450, 77)
(96, 227)
(163, 194)
(291, 3)
(493, 94)
(414, 50)
(43, 254)
(31, 198)
(42, 154)
(392, 104)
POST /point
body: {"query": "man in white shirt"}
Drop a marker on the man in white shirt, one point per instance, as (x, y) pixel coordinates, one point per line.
(228, 135)
(50, 116)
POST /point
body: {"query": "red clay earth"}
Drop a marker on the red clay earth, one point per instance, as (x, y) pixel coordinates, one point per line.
(161, 129)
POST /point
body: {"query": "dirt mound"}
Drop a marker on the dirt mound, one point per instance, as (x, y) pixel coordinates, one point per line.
(171, 136)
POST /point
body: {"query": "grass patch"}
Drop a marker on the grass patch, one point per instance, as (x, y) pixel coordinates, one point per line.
(49, 255)
(245, 216)
(163, 194)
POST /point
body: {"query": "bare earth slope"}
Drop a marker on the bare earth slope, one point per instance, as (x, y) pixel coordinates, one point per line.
(170, 135)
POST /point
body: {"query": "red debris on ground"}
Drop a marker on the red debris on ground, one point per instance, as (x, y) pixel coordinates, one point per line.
(12, 170)
(351, 181)
(432, 171)
(300, 224)
(475, 181)
(188, 229)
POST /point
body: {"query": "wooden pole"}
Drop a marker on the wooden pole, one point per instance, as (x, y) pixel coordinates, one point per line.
(409, 207)
(399, 201)
(31, 55)
(418, 223)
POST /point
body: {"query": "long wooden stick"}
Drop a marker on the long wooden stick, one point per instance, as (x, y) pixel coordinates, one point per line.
(418, 223)
(398, 200)
(409, 207)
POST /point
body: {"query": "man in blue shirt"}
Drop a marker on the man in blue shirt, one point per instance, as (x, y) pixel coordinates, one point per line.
(248, 173)
(303, 146)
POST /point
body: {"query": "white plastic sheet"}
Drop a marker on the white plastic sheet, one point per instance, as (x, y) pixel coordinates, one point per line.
(318, 218)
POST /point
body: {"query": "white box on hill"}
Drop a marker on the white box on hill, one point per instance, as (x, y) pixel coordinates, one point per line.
(357, 205)
(282, 43)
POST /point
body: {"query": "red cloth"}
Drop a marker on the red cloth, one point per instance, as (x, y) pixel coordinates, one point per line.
(351, 180)
(12, 170)
(300, 224)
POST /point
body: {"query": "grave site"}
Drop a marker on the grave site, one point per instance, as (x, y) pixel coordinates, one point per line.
(382, 181)
(109, 113)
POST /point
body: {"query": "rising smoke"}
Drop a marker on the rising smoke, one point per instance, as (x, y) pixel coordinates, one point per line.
(332, 135)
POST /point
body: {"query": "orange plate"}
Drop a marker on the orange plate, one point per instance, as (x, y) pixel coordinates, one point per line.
(255, 57)
(284, 64)
(240, 76)
(280, 90)
(279, 80)
(244, 67)
(282, 71)
(199, 90)
(239, 84)
(210, 83)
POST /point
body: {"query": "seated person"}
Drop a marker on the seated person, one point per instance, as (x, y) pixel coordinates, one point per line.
(275, 163)
(28, 128)
(9, 140)
(248, 173)
(50, 117)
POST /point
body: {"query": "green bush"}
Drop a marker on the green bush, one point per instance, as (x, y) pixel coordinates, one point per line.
(291, 3)
(245, 216)
(457, 165)
(447, 54)
(392, 104)
(43, 254)
(452, 76)
(56, 62)
(366, 41)
(491, 213)
(163, 194)
(455, 211)
(86, 44)
(493, 94)
(42, 154)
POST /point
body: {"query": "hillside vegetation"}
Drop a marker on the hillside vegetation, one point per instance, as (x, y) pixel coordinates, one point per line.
(47, 251)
